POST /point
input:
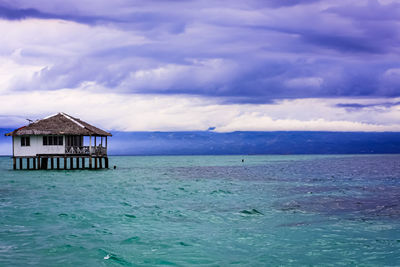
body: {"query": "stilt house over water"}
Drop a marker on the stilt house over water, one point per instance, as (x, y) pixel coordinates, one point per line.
(59, 139)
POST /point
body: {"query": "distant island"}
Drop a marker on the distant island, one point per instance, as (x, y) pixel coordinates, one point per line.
(214, 143)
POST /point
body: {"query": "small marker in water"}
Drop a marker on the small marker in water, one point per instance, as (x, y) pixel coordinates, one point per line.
(107, 257)
(115, 167)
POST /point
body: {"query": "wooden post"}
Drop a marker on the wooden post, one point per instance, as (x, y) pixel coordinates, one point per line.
(95, 162)
(90, 146)
(13, 148)
(77, 162)
(83, 162)
(106, 161)
(101, 162)
(90, 162)
(44, 164)
(65, 163)
(71, 163)
(27, 163)
(38, 162)
(34, 163)
(20, 163)
(58, 163)
(14, 163)
(52, 163)
(101, 145)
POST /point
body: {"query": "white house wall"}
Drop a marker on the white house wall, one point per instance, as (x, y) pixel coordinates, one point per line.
(36, 147)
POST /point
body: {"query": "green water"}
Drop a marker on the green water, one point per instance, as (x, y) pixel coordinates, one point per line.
(206, 211)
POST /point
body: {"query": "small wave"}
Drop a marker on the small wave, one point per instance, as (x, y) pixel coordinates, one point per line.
(131, 240)
(295, 224)
(117, 259)
(290, 206)
(184, 244)
(251, 212)
(126, 204)
(220, 191)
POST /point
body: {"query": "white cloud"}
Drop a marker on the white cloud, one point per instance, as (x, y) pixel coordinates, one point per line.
(13, 73)
(240, 48)
(182, 113)
(248, 122)
(52, 54)
(199, 74)
(62, 38)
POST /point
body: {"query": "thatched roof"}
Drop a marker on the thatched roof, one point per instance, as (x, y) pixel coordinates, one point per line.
(60, 124)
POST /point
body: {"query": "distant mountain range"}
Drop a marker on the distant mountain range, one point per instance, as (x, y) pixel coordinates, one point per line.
(212, 143)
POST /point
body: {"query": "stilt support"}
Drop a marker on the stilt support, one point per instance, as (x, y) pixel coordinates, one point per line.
(106, 161)
(41, 162)
(44, 163)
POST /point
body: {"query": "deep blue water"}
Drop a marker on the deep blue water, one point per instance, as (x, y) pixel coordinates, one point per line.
(205, 210)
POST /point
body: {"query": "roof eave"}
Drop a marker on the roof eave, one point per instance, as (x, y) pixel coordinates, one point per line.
(16, 134)
(103, 135)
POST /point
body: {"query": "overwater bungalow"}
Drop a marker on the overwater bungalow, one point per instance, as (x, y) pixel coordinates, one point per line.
(59, 139)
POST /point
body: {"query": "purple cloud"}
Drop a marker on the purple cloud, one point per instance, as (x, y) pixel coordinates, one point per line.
(27, 13)
(357, 106)
(248, 52)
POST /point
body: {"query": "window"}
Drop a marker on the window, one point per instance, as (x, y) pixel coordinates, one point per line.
(74, 140)
(25, 141)
(52, 140)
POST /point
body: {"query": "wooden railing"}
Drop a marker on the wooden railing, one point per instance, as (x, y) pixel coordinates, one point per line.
(86, 150)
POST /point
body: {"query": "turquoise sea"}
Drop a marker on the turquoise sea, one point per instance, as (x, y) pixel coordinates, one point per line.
(314, 210)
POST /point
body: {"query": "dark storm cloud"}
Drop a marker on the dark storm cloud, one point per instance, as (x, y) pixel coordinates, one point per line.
(252, 52)
(371, 10)
(285, 3)
(356, 106)
(19, 14)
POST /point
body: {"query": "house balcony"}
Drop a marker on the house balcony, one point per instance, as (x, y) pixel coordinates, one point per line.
(86, 150)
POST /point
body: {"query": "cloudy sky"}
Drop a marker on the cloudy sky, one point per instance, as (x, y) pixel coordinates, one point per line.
(158, 65)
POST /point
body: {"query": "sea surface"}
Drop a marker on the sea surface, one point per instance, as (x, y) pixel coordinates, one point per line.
(314, 210)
